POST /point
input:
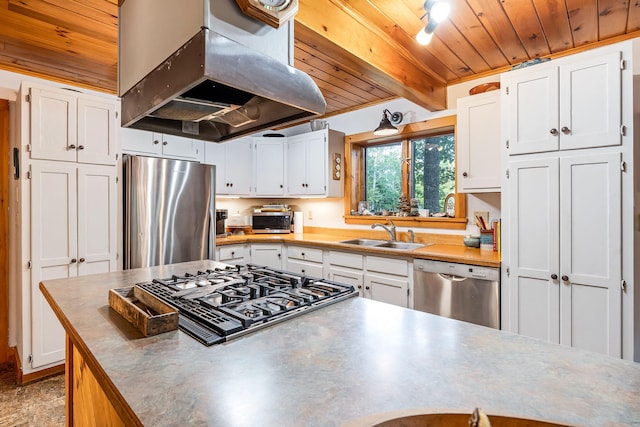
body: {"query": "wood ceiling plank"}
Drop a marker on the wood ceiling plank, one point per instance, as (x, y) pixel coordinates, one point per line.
(524, 18)
(330, 78)
(406, 21)
(468, 24)
(305, 54)
(58, 40)
(72, 20)
(633, 21)
(403, 41)
(612, 17)
(449, 35)
(107, 6)
(583, 19)
(352, 42)
(555, 22)
(496, 22)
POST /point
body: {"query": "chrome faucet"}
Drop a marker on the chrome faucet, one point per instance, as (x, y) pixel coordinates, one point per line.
(390, 229)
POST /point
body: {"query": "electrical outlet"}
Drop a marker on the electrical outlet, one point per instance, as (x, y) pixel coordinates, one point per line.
(309, 215)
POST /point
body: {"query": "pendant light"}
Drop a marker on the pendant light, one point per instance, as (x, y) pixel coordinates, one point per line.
(386, 127)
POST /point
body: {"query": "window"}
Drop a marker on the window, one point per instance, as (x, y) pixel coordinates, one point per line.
(418, 164)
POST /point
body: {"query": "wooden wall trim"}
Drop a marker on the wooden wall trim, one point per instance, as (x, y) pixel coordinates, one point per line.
(4, 231)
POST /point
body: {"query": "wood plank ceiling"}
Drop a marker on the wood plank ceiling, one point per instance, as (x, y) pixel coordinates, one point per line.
(359, 52)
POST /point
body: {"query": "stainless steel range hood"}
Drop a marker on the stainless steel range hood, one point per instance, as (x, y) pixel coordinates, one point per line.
(216, 88)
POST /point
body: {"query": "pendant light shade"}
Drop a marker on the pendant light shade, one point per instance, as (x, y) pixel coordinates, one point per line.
(386, 127)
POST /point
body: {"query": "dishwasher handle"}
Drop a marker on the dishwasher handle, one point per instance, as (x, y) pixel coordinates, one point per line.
(452, 277)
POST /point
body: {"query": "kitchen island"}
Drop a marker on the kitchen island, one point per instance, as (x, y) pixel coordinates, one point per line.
(352, 361)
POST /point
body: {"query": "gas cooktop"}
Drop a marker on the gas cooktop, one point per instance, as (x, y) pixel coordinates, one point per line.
(221, 304)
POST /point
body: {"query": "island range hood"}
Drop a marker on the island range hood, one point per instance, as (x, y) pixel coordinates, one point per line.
(219, 84)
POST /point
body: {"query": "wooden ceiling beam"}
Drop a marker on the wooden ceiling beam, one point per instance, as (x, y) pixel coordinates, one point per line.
(334, 30)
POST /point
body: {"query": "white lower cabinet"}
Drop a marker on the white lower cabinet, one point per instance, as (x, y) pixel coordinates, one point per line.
(387, 280)
(267, 254)
(73, 233)
(305, 260)
(234, 254)
(564, 246)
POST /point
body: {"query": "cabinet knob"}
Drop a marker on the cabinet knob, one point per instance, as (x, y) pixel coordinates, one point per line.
(359, 286)
(465, 174)
(231, 184)
(554, 131)
(81, 260)
(279, 255)
(73, 260)
(156, 142)
(71, 147)
(302, 270)
(565, 130)
(233, 254)
(80, 147)
(554, 276)
(367, 287)
(164, 142)
(565, 278)
(302, 254)
(281, 186)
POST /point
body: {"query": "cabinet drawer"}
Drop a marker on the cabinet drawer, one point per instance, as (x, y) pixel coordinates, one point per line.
(398, 267)
(306, 268)
(345, 259)
(305, 253)
(232, 252)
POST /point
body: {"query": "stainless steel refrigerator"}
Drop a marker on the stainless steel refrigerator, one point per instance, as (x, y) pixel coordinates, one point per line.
(169, 211)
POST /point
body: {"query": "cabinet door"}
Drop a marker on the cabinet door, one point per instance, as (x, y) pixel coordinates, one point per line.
(591, 252)
(296, 165)
(533, 246)
(354, 278)
(96, 132)
(53, 251)
(214, 154)
(178, 147)
(137, 141)
(316, 163)
(478, 143)
(97, 220)
(590, 102)
(267, 255)
(238, 157)
(387, 289)
(53, 124)
(310, 269)
(531, 105)
(269, 166)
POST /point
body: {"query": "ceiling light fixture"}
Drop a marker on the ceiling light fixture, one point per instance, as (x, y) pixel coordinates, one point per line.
(386, 127)
(436, 12)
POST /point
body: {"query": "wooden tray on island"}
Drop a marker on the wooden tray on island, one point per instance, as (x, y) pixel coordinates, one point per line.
(144, 311)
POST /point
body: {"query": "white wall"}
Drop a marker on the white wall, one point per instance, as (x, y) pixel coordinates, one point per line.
(330, 212)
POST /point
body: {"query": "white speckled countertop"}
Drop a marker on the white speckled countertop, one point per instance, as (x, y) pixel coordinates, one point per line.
(339, 364)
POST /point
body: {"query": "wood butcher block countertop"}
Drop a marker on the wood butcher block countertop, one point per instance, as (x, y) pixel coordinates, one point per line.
(330, 240)
(352, 363)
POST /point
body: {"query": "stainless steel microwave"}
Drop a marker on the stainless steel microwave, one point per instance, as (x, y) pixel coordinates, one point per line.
(271, 222)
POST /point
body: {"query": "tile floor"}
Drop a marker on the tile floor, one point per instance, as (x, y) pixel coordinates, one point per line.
(40, 403)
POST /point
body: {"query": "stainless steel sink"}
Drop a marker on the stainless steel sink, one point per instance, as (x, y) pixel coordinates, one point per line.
(384, 244)
(363, 242)
(400, 245)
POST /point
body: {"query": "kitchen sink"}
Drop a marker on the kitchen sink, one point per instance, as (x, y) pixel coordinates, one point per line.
(400, 245)
(363, 242)
(384, 244)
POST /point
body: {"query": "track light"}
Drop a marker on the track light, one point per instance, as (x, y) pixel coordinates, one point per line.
(436, 12)
(386, 127)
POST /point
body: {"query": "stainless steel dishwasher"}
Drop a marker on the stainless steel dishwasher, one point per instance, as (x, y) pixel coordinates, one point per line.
(463, 292)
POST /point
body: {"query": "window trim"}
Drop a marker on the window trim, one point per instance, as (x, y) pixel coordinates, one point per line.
(354, 173)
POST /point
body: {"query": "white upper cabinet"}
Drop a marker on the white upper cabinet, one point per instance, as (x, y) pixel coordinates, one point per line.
(310, 159)
(72, 127)
(559, 107)
(233, 162)
(269, 166)
(478, 143)
(142, 142)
